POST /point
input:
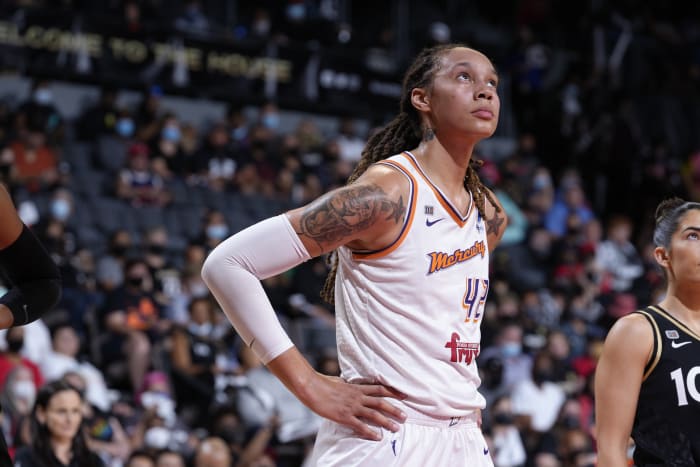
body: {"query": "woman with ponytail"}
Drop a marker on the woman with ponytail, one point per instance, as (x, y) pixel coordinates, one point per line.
(646, 382)
(409, 238)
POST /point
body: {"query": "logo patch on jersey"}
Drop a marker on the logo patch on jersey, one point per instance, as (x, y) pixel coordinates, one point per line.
(462, 351)
(440, 260)
(672, 334)
(430, 223)
(677, 345)
(428, 210)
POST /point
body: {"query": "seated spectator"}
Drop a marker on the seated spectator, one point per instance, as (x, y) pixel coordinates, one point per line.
(350, 145)
(168, 158)
(169, 458)
(193, 355)
(104, 432)
(215, 230)
(99, 118)
(131, 320)
(571, 202)
(617, 258)
(216, 160)
(536, 400)
(261, 399)
(63, 358)
(508, 347)
(57, 437)
(34, 163)
(213, 452)
(110, 266)
(137, 184)
(17, 397)
(508, 448)
(140, 458)
(11, 357)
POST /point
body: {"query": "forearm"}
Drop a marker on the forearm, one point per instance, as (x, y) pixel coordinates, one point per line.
(35, 279)
(233, 272)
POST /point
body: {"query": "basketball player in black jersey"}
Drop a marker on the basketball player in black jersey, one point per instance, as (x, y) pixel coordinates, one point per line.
(647, 384)
(34, 280)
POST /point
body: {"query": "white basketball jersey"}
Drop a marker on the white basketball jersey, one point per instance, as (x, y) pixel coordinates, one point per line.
(409, 315)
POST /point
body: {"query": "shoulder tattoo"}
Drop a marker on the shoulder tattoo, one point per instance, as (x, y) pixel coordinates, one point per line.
(349, 210)
(493, 225)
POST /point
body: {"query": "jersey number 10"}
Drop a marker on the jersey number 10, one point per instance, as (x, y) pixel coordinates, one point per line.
(689, 383)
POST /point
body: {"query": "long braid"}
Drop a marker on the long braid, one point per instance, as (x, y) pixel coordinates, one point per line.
(478, 190)
(402, 133)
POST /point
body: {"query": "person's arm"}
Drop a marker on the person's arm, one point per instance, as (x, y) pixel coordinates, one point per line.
(496, 221)
(35, 278)
(368, 214)
(618, 379)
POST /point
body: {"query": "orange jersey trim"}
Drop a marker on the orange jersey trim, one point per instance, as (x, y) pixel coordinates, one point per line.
(440, 197)
(407, 223)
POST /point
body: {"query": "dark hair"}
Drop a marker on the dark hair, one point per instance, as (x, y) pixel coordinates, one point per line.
(41, 437)
(404, 132)
(667, 216)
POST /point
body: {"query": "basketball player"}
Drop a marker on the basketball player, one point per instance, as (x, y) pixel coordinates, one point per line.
(411, 235)
(646, 384)
(34, 277)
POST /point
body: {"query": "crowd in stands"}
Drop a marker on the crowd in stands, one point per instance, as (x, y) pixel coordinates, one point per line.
(130, 200)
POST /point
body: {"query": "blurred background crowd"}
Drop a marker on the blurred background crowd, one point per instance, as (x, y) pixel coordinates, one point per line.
(599, 123)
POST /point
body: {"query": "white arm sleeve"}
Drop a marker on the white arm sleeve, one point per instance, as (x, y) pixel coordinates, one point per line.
(233, 270)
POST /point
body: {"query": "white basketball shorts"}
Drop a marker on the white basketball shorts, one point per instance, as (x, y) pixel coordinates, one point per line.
(420, 442)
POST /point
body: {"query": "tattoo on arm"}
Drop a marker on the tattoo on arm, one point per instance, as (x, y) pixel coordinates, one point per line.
(493, 225)
(347, 211)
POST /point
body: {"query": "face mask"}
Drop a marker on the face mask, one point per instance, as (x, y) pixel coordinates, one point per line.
(60, 209)
(296, 12)
(171, 133)
(15, 345)
(43, 96)
(119, 250)
(156, 249)
(135, 281)
(125, 127)
(24, 390)
(271, 121)
(239, 133)
(217, 231)
(157, 437)
(503, 419)
(200, 330)
(511, 349)
(540, 376)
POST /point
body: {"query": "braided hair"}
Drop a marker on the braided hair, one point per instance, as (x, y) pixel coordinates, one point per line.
(404, 132)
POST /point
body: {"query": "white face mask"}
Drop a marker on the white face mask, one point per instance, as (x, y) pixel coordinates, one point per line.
(201, 330)
(24, 390)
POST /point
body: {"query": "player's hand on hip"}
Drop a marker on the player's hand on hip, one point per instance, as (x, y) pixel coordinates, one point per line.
(362, 407)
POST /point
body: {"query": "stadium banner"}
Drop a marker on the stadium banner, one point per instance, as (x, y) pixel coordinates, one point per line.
(296, 76)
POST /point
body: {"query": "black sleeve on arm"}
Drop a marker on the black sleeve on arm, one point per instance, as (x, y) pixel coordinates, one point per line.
(35, 279)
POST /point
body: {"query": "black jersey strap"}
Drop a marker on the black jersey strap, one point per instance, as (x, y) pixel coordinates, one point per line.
(656, 349)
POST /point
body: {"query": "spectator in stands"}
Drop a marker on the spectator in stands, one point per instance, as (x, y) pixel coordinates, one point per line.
(537, 400)
(137, 183)
(58, 438)
(169, 458)
(140, 458)
(214, 230)
(110, 266)
(193, 355)
(17, 397)
(100, 118)
(11, 357)
(617, 257)
(34, 164)
(131, 320)
(148, 113)
(168, 158)
(508, 448)
(350, 144)
(193, 20)
(215, 161)
(508, 347)
(213, 452)
(64, 358)
(104, 432)
(572, 202)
